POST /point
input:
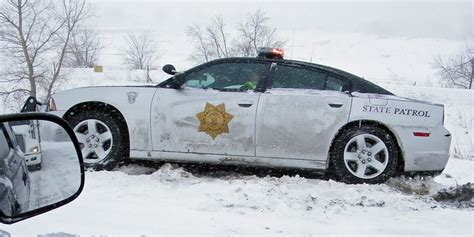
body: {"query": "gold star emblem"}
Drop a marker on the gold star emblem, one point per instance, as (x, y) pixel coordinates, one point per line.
(214, 120)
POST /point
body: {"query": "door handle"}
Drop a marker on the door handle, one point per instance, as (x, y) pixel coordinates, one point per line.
(335, 105)
(245, 104)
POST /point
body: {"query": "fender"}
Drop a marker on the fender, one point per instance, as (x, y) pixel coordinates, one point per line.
(133, 102)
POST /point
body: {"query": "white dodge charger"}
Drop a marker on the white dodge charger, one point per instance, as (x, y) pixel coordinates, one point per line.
(263, 111)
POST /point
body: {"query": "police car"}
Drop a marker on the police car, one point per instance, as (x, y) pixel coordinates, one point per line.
(263, 111)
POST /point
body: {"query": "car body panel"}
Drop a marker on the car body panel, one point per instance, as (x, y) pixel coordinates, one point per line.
(405, 117)
(296, 124)
(176, 127)
(423, 153)
(396, 110)
(230, 159)
(133, 102)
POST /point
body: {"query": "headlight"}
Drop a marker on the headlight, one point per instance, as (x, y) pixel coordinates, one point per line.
(34, 149)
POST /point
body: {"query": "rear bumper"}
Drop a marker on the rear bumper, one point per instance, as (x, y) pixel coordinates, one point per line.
(424, 153)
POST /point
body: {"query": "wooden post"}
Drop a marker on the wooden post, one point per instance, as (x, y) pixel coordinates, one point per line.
(148, 78)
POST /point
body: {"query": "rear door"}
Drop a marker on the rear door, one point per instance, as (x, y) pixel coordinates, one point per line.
(214, 113)
(300, 113)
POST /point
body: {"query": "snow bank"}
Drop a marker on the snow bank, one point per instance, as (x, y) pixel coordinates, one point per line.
(171, 200)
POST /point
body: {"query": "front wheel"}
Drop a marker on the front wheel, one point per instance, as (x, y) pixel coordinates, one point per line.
(365, 154)
(100, 137)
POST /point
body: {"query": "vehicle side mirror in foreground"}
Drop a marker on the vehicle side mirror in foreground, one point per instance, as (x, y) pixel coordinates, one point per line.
(41, 166)
(170, 69)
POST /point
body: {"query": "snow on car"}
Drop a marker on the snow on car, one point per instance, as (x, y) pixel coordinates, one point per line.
(263, 111)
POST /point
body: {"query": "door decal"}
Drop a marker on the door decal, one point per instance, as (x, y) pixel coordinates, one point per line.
(214, 120)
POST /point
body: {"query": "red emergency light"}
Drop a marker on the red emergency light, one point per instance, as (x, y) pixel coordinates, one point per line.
(270, 53)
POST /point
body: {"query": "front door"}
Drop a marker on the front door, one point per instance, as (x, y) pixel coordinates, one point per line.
(214, 112)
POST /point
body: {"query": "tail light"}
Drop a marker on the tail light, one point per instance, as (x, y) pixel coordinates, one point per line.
(421, 134)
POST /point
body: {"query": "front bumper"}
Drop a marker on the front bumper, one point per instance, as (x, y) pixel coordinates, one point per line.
(33, 159)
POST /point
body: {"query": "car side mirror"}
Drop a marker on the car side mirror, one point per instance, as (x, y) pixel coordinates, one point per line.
(170, 69)
(42, 163)
(30, 105)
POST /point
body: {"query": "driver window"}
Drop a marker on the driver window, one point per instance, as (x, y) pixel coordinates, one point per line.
(227, 76)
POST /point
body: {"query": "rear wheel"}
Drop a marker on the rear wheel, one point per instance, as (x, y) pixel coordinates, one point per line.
(100, 137)
(365, 154)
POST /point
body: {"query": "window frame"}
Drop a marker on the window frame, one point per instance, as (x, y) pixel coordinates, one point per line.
(171, 82)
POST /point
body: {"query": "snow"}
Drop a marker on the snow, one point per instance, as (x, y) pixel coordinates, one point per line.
(137, 200)
(46, 188)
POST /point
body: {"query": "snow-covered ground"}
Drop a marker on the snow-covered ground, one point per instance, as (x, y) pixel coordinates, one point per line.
(136, 200)
(58, 160)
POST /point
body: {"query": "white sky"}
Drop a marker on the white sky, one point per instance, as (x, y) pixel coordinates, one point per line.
(428, 19)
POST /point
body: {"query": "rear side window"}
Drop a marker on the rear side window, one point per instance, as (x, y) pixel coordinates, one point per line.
(298, 78)
(302, 78)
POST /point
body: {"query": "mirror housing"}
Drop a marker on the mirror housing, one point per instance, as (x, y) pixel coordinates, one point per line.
(30, 105)
(65, 161)
(170, 69)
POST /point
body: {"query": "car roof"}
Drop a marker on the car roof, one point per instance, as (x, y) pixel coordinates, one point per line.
(358, 84)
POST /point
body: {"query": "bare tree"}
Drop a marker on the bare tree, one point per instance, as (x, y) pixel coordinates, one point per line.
(72, 13)
(35, 35)
(203, 53)
(141, 51)
(84, 48)
(215, 42)
(254, 32)
(26, 33)
(212, 43)
(218, 37)
(456, 70)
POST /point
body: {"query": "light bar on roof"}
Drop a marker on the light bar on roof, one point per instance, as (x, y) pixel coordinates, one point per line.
(271, 53)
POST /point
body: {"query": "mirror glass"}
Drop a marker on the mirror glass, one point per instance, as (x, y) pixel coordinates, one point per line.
(39, 166)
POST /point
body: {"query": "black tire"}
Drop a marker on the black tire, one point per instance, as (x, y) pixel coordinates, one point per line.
(341, 167)
(119, 147)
